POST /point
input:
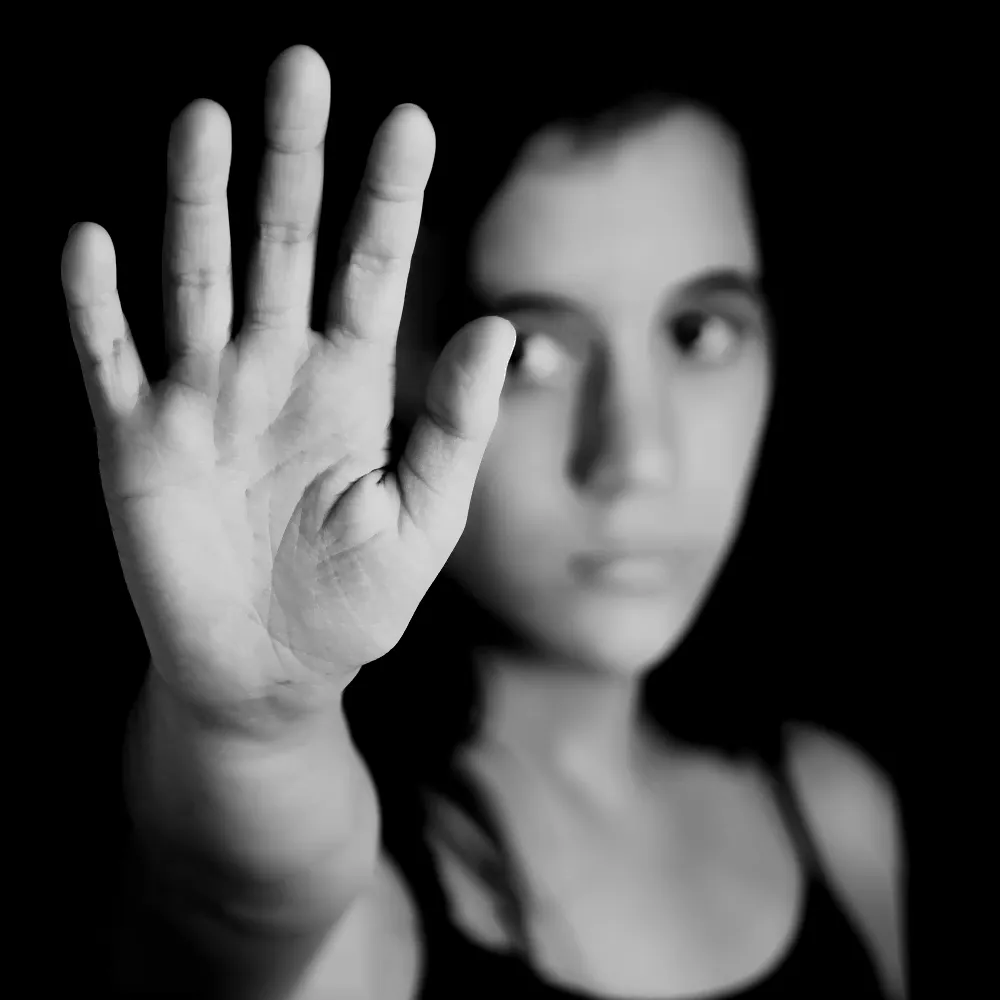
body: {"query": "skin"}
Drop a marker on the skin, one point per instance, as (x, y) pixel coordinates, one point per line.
(186, 461)
(634, 412)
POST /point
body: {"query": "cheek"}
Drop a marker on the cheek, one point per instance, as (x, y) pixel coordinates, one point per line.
(520, 492)
(522, 522)
(721, 443)
(519, 503)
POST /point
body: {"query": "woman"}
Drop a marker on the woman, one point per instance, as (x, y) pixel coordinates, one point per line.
(622, 244)
(564, 840)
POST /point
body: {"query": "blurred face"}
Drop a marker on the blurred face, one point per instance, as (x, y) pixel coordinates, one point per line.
(636, 398)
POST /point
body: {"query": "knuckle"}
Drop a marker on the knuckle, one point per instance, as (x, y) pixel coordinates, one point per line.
(420, 477)
(288, 137)
(383, 188)
(374, 262)
(266, 313)
(447, 422)
(197, 192)
(286, 233)
(200, 279)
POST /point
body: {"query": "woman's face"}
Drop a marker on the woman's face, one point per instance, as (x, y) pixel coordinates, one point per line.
(629, 425)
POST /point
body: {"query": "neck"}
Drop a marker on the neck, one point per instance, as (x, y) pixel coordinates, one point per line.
(573, 727)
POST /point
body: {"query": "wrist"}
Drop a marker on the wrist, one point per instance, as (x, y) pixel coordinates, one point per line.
(289, 807)
(278, 721)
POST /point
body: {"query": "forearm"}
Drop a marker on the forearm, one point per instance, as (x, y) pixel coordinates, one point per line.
(250, 851)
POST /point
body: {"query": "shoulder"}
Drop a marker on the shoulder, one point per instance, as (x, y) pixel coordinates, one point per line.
(853, 796)
(852, 809)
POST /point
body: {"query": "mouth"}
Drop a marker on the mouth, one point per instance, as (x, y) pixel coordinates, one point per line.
(628, 571)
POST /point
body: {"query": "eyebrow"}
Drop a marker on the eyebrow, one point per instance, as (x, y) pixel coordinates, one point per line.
(713, 282)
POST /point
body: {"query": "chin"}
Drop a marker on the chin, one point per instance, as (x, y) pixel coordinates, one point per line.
(627, 638)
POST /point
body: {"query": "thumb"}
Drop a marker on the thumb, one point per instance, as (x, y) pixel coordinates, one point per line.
(446, 446)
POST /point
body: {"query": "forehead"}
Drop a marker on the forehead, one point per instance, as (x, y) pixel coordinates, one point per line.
(642, 215)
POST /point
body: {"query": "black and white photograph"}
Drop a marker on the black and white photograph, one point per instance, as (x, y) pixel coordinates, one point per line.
(481, 476)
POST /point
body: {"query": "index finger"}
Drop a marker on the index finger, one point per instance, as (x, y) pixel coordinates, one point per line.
(367, 295)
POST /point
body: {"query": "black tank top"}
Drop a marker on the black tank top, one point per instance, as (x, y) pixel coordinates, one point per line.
(825, 956)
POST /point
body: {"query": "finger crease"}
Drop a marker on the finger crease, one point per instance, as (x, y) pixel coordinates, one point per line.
(286, 233)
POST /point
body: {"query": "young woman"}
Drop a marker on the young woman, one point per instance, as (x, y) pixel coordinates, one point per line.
(545, 829)
(601, 826)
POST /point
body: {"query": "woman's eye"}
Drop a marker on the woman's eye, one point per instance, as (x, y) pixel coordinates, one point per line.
(536, 358)
(707, 337)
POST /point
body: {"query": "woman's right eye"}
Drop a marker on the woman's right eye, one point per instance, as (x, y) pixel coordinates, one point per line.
(536, 358)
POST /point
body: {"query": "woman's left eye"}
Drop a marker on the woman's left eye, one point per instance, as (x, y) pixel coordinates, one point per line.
(707, 337)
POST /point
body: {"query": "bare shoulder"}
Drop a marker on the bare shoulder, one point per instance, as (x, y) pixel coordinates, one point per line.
(376, 951)
(852, 808)
(851, 797)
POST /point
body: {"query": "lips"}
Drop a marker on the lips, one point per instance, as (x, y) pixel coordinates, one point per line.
(627, 570)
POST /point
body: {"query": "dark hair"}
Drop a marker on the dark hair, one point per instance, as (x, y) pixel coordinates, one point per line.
(478, 142)
(727, 685)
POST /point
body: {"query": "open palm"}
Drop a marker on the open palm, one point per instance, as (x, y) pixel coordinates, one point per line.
(269, 550)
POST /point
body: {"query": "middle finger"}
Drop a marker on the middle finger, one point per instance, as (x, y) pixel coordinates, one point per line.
(279, 290)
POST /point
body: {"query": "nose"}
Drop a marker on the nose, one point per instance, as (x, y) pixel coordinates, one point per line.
(625, 439)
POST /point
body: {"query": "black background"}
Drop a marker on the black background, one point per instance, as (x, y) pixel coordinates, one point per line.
(844, 139)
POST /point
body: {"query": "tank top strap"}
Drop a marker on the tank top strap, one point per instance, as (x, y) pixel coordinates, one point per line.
(498, 873)
(775, 756)
(495, 868)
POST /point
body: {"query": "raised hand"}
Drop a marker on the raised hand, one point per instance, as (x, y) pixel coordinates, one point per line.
(269, 551)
